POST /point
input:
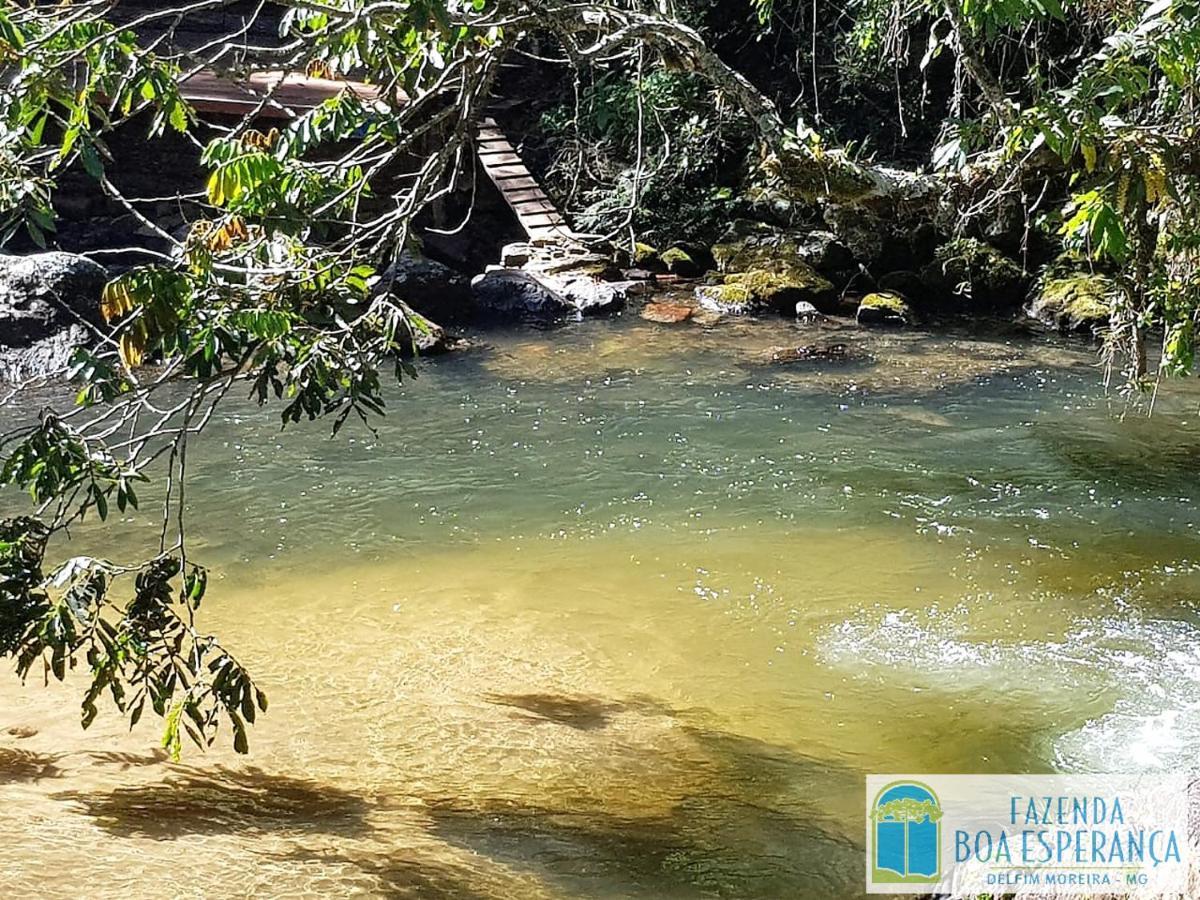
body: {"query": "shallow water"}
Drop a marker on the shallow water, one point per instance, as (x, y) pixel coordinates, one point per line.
(629, 610)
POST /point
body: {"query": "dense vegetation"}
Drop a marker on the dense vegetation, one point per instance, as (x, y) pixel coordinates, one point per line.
(1078, 121)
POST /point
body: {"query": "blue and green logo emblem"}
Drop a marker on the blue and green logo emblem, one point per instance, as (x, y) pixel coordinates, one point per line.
(906, 835)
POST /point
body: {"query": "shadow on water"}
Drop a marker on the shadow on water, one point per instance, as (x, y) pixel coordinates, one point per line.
(1152, 457)
(752, 824)
(26, 765)
(224, 801)
(575, 711)
(708, 812)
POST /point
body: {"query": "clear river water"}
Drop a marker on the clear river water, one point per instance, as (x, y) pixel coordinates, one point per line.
(629, 610)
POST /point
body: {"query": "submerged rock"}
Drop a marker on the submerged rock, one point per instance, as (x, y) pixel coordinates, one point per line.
(828, 352)
(1079, 301)
(46, 302)
(667, 313)
(884, 308)
(968, 273)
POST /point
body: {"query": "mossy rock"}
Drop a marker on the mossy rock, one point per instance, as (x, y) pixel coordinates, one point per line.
(744, 245)
(679, 262)
(728, 299)
(884, 308)
(755, 245)
(967, 273)
(1073, 301)
(645, 256)
(782, 285)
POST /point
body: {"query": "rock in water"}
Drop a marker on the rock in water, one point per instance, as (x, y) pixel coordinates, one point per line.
(428, 337)
(46, 292)
(679, 262)
(430, 288)
(667, 313)
(515, 294)
(967, 274)
(884, 308)
(511, 293)
(45, 301)
(1079, 301)
(728, 299)
(806, 312)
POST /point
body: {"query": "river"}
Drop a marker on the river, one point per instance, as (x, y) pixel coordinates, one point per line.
(626, 610)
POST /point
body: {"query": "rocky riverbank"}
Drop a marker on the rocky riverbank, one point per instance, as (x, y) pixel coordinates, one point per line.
(49, 302)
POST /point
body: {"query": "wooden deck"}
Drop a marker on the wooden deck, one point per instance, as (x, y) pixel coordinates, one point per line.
(290, 95)
(521, 192)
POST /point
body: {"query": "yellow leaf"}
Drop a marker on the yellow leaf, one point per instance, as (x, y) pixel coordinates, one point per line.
(115, 300)
(318, 68)
(1089, 156)
(132, 347)
(216, 189)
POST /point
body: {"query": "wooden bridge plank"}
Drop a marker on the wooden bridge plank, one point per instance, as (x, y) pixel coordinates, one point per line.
(529, 203)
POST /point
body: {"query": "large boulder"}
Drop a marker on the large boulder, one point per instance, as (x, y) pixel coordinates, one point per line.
(824, 251)
(46, 301)
(768, 268)
(45, 293)
(749, 245)
(783, 284)
(1074, 301)
(515, 294)
(430, 288)
(969, 274)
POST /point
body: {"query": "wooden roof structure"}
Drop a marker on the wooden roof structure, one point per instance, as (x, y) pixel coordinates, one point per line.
(276, 95)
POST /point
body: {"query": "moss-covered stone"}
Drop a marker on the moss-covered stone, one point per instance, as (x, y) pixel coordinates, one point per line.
(1073, 301)
(680, 262)
(968, 273)
(745, 244)
(884, 308)
(754, 245)
(645, 255)
(781, 285)
(727, 299)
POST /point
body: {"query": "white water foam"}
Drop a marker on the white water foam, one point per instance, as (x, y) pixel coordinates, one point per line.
(1150, 666)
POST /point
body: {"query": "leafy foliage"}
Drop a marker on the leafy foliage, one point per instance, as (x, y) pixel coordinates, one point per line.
(659, 154)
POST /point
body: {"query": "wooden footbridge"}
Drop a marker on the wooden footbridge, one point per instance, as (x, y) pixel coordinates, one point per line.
(275, 95)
